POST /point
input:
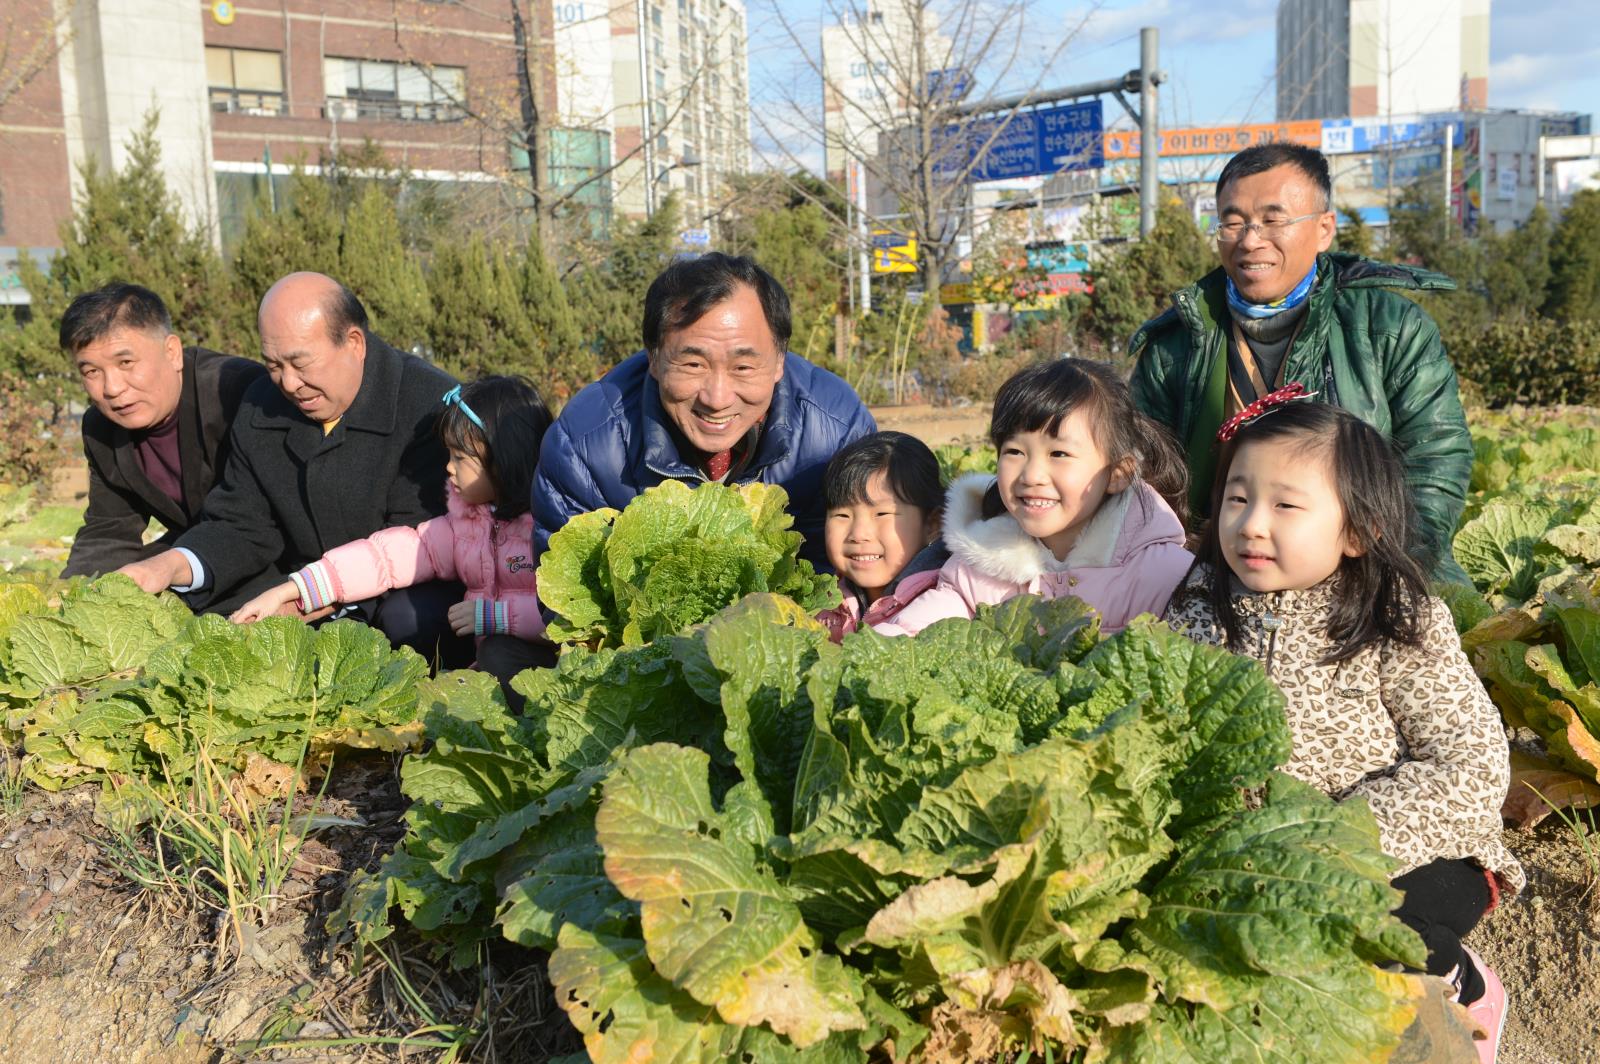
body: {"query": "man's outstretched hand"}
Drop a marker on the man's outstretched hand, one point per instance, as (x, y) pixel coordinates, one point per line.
(160, 572)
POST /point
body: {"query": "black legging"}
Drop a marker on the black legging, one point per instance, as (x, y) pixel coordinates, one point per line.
(503, 656)
(418, 617)
(1444, 900)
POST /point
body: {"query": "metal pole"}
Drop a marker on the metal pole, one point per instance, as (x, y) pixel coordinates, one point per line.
(1149, 130)
(866, 241)
(1539, 178)
(644, 113)
(1449, 173)
(272, 190)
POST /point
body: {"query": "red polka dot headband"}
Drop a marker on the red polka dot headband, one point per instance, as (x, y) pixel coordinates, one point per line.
(1282, 397)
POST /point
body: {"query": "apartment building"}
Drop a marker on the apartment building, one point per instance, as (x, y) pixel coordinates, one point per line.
(1362, 58)
(668, 80)
(638, 97)
(869, 81)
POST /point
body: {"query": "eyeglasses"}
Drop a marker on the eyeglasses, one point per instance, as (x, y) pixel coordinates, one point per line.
(453, 397)
(1233, 232)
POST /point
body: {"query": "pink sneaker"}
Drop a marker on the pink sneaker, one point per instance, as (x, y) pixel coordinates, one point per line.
(1489, 1011)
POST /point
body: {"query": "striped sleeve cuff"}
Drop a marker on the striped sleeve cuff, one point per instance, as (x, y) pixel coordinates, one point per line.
(489, 617)
(316, 590)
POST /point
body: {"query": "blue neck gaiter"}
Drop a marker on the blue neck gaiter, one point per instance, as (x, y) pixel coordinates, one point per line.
(1296, 296)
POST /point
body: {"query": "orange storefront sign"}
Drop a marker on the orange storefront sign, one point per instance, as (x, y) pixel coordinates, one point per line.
(1215, 140)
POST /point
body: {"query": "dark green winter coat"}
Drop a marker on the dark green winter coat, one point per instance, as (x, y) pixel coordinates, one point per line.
(1363, 346)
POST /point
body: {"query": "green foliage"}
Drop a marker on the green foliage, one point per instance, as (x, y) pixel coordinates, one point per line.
(347, 229)
(33, 421)
(998, 833)
(480, 323)
(1354, 235)
(1422, 231)
(1531, 543)
(567, 361)
(111, 682)
(1575, 260)
(376, 266)
(606, 288)
(1516, 267)
(303, 234)
(788, 224)
(1531, 360)
(956, 459)
(1135, 282)
(673, 557)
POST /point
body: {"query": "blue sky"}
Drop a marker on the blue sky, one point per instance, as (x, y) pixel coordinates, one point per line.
(1543, 54)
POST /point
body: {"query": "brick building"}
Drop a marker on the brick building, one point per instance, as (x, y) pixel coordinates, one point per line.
(245, 89)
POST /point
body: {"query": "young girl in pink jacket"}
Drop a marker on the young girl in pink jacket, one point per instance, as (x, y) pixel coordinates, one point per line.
(881, 528)
(492, 429)
(1086, 502)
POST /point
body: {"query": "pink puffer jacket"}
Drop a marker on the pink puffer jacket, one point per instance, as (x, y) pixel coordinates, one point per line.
(847, 616)
(1128, 560)
(493, 558)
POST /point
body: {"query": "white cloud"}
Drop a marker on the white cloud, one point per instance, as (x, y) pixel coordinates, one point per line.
(1540, 80)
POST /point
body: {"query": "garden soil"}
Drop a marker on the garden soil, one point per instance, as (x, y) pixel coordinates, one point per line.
(94, 970)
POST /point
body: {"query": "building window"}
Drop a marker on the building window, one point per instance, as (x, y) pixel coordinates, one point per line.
(661, 81)
(373, 88)
(655, 17)
(578, 160)
(245, 81)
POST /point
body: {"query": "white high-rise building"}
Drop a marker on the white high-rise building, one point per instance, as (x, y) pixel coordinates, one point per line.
(1356, 58)
(870, 62)
(665, 80)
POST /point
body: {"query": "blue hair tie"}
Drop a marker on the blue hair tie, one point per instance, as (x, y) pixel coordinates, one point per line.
(453, 398)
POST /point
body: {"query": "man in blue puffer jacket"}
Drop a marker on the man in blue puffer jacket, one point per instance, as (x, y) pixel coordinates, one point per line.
(713, 397)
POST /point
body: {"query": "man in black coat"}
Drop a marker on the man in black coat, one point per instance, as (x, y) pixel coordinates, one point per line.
(339, 443)
(155, 434)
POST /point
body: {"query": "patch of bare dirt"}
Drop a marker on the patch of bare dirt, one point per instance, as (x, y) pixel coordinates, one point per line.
(936, 425)
(94, 969)
(82, 976)
(1545, 946)
(69, 482)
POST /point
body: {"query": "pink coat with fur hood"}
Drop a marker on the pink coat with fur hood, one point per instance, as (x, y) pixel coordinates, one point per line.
(493, 558)
(1127, 561)
(848, 615)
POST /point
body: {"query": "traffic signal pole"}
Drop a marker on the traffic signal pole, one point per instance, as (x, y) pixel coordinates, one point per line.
(1149, 130)
(1142, 82)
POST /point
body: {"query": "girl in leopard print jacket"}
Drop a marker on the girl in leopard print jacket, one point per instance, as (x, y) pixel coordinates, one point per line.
(1304, 567)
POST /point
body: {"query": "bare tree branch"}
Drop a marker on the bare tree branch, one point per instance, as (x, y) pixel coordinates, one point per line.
(913, 140)
(28, 46)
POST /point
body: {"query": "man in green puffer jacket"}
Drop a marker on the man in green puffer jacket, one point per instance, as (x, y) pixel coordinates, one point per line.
(1281, 309)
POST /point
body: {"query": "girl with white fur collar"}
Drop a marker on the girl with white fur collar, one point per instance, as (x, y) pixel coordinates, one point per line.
(1086, 502)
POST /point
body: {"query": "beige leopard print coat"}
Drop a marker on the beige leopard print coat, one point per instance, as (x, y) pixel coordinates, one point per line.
(1410, 729)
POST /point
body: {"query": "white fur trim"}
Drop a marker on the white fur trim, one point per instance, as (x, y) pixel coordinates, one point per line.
(999, 548)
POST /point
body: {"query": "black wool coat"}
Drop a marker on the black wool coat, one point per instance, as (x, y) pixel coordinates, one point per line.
(289, 494)
(122, 500)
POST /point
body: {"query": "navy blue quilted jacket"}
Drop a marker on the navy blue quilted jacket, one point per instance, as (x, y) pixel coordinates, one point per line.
(611, 443)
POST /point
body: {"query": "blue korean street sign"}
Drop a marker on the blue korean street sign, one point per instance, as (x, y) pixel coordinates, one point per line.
(1047, 141)
(696, 238)
(1343, 135)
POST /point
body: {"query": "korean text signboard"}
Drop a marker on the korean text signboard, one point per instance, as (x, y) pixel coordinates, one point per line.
(1215, 140)
(1026, 143)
